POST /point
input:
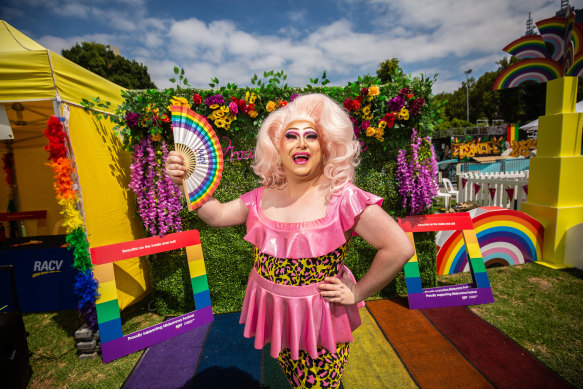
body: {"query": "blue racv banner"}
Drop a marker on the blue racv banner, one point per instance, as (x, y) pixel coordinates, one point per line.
(43, 267)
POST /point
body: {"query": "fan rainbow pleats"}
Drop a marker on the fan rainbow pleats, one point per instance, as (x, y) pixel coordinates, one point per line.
(196, 141)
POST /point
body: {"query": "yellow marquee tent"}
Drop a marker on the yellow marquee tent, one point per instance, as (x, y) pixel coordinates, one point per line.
(36, 83)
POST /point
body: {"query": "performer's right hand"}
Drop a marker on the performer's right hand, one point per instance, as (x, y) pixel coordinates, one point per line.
(175, 167)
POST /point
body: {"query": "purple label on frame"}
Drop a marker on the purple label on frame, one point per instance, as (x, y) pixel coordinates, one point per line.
(450, 296)
(147, 337)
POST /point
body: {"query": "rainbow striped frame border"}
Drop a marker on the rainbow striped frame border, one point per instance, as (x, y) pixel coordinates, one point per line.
(114, 344)
(478, 292)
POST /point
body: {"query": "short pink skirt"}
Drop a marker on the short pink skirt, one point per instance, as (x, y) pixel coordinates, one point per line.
(295, 317)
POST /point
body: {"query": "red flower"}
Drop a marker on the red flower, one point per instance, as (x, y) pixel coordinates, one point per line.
(390, 119)
(364, 91)
(419, 101)
(196, 99)
(404, 92)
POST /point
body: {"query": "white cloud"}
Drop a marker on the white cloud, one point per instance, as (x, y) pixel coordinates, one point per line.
(297, 15)
(438, 36)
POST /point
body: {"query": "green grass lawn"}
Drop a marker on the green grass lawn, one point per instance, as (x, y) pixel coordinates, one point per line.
(540, 308)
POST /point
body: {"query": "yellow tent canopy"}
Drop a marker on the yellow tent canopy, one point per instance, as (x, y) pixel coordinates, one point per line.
(36, 83)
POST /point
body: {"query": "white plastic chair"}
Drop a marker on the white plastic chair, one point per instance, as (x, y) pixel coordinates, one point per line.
(446, 200)
(449, 189)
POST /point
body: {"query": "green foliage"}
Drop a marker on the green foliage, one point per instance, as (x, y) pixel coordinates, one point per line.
(514, 105)
(228, 258)
(115, 68)
(182, 80)
(388, 69)
(94, 105)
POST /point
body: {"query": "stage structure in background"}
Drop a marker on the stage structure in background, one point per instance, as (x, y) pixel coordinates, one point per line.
(113, 342)
(478, 292)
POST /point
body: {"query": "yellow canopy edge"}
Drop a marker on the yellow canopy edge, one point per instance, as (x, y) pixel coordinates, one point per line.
(33, 81)
(29, 71)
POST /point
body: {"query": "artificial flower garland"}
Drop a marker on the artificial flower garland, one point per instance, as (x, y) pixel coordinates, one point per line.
(417, 174)
(158, 198)
(85, 286)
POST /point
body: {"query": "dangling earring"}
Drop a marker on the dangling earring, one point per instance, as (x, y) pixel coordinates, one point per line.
(278, 160)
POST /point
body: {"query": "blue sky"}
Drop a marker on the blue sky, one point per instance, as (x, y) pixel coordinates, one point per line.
(234, 39)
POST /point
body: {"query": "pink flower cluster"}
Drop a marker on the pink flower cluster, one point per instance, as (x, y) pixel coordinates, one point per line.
(158, 198)
(417, 174)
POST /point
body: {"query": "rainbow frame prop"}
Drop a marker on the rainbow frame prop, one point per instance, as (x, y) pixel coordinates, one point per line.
(506, 237)
(113, 342)
(478, 292)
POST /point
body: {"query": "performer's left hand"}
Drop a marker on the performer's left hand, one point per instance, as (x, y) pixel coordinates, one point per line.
(339, 290)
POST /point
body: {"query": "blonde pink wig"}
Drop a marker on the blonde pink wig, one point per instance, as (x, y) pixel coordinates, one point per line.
(339, 145)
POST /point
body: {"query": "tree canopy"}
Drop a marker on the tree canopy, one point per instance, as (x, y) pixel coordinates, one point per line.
(515, 105)
(97, 58)
(388, 69)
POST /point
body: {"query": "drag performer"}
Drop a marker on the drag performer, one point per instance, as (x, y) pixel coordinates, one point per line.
(300, 297)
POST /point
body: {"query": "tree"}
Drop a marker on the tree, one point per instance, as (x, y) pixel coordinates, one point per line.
(514, 105)
(115, 68)
(387, 69)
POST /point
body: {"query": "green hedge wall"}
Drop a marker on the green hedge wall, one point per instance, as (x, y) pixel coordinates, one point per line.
(229, 258)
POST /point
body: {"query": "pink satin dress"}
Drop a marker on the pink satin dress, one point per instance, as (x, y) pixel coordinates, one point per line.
(292, 314)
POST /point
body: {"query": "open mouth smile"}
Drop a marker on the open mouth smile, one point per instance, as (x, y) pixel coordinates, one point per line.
(301, 158)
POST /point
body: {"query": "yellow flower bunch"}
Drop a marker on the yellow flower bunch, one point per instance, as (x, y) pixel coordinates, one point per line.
(250, 97)
(379, 132)
(221, 116)
(179, 101)
(366, 114)
(374, 90)
(252, 114)
(403, 114)
(149, 112)
(270, 107)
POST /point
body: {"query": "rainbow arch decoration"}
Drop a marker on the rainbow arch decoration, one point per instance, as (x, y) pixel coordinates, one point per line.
(530, 46)
(545, 57)
(506, 237)
(535, 70)
(477, 292)
(114, 344)
(576, 70)
(552, 31)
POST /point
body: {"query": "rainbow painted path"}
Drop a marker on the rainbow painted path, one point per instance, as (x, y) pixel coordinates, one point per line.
(394, 348)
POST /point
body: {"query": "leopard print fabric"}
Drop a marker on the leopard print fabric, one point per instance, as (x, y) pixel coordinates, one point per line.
(322, 372)
(302, 271)
(326, 370)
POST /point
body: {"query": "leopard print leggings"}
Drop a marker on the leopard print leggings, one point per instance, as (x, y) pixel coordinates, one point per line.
(322, 372)
(326, 370)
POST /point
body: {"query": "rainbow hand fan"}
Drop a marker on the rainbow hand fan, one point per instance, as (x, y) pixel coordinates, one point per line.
(196, 141)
